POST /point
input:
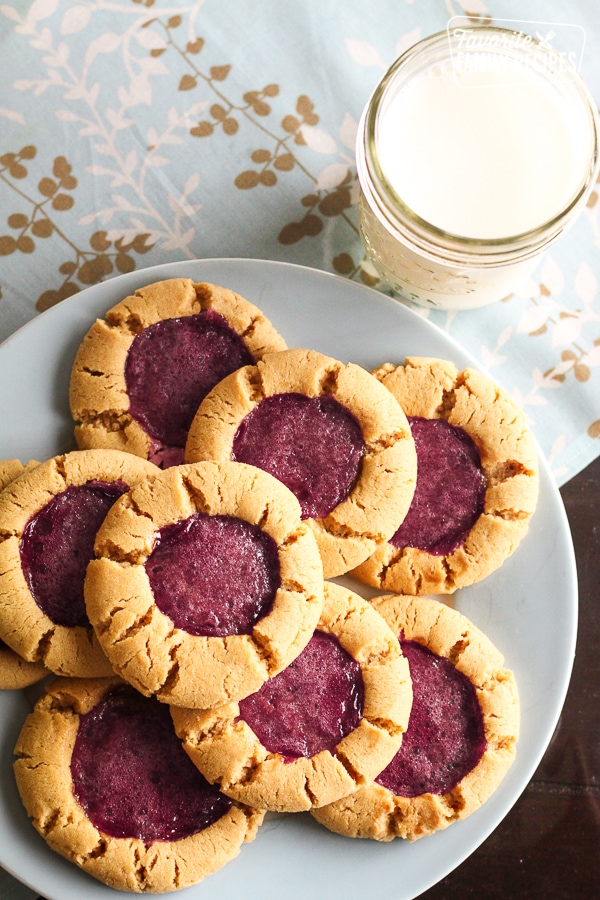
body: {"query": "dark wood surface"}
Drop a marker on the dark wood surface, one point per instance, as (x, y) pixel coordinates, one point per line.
(548, 846)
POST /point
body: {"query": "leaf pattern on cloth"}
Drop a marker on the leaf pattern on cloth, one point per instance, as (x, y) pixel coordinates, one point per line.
(86, 265)
(141, 132)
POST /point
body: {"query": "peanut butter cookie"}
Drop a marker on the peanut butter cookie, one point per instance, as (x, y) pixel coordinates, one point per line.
(48, 521)
(16, 672)
(331, 721)
(141, 372)
(329, 431)
(108, 786)
(461, 736)
(477, 483)
(206, 583)
(11, 469)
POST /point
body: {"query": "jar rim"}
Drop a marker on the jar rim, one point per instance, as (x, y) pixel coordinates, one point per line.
(422, 233)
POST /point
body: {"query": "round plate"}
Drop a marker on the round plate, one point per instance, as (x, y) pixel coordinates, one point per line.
(528, 607)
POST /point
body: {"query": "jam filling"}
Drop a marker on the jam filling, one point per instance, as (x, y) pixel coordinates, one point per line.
(58, 544)
(132, 776)
(445, 738)
(450, 490)
(314, 445)
(214, 575)
(171, 366)
(311, 705)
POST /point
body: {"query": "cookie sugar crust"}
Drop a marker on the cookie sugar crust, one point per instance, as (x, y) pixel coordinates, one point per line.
(43, 775)
(98, 392)
(11, 469)
(16, 672)
(143, 643)
(434, 388)
(380, 498)
(374, 811)
(24, 627)
(228, 752)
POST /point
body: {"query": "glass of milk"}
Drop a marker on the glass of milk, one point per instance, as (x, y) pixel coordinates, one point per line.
(473, 156)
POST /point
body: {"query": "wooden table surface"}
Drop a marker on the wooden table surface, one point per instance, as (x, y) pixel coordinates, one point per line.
(548, 846)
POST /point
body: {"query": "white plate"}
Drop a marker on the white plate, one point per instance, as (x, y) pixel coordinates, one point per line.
(528, 607)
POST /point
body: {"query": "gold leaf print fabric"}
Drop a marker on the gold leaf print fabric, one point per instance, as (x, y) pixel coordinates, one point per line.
(139, 132)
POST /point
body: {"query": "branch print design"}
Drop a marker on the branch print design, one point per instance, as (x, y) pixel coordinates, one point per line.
(139, 132)
(41, 222)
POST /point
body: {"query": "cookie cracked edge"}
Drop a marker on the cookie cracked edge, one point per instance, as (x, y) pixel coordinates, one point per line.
(98, 392)
(373, 811)
(42, 770)
(143, 644)
(379, 500)
(434, 388)
(24, 627)
(229, 753)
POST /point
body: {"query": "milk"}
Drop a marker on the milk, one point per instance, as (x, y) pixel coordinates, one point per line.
(471, 164)
(483, 154)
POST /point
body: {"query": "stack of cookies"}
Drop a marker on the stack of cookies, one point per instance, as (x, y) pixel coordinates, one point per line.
(175, 573)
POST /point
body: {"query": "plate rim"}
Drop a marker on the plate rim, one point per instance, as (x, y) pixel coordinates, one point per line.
(140, 277)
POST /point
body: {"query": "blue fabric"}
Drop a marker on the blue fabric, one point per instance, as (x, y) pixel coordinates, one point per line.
(156, 132)
(140, 132)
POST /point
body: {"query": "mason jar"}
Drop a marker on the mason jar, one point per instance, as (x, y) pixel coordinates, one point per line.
(471, 161)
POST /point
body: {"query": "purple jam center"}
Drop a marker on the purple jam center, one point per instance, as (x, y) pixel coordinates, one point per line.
(314, 445)
(214, 575)
(450, 491)
(445, 738)
(170, 368)
(58, 544)
(311, 705)
(164, 456)
(132, 776)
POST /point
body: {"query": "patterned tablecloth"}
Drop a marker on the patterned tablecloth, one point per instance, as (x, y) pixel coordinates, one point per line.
(137, 132)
